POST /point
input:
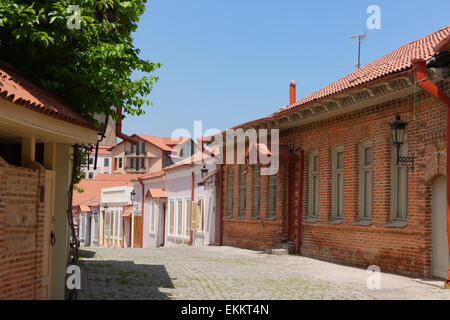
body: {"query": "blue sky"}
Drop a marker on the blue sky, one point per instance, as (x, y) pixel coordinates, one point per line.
(226, 62)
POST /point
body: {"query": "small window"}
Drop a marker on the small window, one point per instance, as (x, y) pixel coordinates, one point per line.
(313, 186)
(91, 160)
(106, 162)
(230, 182)
(132, 163)
(143, 163)
(365, 181)
(272, 197)
(337, 192)
(242, 191)
(120, 162)
(137, 149)
(137, 164)
(256, 190)
(91, 175)
(143, 147)
(132, 148)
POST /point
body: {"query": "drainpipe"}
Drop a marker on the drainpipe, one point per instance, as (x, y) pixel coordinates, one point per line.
(299, 201)
(142, 212)
(192, 206)
(119, 133)
(420, 68)
(220, 204)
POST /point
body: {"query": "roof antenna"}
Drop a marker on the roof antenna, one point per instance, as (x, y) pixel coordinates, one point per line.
(360, 37)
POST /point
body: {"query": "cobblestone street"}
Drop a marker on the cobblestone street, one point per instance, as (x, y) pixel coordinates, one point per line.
(232, 274)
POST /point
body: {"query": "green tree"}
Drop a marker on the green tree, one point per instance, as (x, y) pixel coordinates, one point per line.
(90, 66)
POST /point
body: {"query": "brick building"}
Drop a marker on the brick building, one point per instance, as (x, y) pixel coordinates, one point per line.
(340, 193)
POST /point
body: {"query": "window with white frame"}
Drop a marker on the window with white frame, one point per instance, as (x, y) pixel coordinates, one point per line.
(188, 218)
(171, 217)
(180, 218)
(337, 191)
(313, 186)
(230, 180)
(365, 180)
(242, 191)
(399, 187)
(256, 190)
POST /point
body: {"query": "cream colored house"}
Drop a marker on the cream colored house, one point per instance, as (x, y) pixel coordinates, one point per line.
(36, 133)
(150, 154)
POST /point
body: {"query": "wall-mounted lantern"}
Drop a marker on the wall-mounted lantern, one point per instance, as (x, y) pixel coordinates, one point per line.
(204, 171)
(105, 206)
(398, 128)
(132, 195)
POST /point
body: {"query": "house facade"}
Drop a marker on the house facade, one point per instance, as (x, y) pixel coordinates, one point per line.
(37, 131)
(179, 205)
(104, 163)
(150, 154)
(343, 191)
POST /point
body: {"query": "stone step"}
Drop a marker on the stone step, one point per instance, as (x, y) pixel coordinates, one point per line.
(280, 252)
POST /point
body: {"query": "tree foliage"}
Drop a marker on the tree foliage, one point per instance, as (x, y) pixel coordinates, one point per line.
(89, 67)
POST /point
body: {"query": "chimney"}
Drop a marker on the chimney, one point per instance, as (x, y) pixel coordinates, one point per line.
(292, 92)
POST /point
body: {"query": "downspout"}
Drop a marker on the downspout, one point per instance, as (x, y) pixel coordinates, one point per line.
(420, 68)
(299, 201)
(192, 206)
(220, 204)
(142, 212)
(119, 133)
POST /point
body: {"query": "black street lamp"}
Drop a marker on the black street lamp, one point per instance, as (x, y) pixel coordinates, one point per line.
(132, 195)
(204, 171)
(398, 128)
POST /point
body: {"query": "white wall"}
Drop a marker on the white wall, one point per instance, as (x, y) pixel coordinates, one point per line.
(101, 168)
(177, 184)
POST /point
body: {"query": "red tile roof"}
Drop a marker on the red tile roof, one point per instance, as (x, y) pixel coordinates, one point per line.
(104, 150)
(392, 63)
(20, 91)
(155, 193)
(93, 187)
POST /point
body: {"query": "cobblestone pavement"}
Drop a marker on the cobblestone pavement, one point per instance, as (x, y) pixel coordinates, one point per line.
(228, 273)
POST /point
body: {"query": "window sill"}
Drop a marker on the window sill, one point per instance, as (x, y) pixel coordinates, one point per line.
(311, 219)
(335, 221)
(363, 222)
(270, 219)
(253, 218)
(396, 224)
(228, 217)
(241, 217)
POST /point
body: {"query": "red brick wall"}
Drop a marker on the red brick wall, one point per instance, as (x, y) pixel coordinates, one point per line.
(21, 232)
(404, 250)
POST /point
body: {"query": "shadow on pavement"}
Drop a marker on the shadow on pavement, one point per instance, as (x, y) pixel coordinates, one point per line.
(123, 280)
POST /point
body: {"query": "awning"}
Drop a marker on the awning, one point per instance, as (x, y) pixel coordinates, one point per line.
(128, 212)
(209, 176)
(85, 208)
(155, 193)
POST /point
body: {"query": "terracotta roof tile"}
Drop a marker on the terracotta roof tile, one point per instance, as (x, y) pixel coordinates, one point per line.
(20, 91)
(394, 62)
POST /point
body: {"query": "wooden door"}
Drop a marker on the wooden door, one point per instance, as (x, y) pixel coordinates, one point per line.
(137, 232)
(49, 195)
(440, 254)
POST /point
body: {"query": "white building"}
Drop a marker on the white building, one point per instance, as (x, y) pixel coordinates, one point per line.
(104, 163)
(179, 205)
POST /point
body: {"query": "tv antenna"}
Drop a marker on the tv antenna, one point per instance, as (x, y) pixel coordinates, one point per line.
(360, 38)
